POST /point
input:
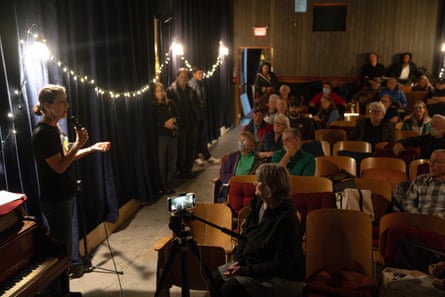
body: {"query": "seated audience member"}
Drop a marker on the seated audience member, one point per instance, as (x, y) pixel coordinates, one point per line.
(327, 113)
(391, 109)
(326, 91)
(423, 84)
(272, 140)
(425, 194)
(427, 142)
(272, 108)
(257, 125)
(241, 162)
(419, 120)
(285, 94)
(436, 104)
(405, 71)
(373, 129)
(292, 156)
(281, 106)
(297, 120)
(372, 69)
(392, 89)
(367, 94)
(270, 262)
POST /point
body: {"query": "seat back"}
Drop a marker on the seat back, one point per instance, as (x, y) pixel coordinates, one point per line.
(330, 135)
(310, 193)
(316, 147)
(417, 167)
(395, 227)
(338, 237)
(401, 134)
(347, 126)
(211, 256)
(218, 214)
(241, 190)
(383, 163)
(352, 146)
(328, 165)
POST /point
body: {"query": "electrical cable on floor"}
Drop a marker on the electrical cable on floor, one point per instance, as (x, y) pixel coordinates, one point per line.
(121, 291)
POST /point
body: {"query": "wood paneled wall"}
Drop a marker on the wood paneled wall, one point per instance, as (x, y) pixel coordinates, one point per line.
(387, 27)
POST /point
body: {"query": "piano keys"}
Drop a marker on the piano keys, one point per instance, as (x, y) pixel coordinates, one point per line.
(30, 260)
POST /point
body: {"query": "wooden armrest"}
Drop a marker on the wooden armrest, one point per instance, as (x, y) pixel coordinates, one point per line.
(215, 180)
(377, 257)
(161, 243)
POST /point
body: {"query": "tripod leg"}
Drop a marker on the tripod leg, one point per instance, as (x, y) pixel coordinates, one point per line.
(185, 292)
(163, 278)
(195, 251)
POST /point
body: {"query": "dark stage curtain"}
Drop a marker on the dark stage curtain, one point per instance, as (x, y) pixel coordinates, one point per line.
(199, 25)
(111, 41)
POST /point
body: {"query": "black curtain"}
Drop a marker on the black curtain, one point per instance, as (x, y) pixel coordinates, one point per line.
(110, 41)
(200, 25)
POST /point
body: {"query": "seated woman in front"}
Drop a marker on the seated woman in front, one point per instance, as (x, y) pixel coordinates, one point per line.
(270, 262)
(373, 129)
(419, 120)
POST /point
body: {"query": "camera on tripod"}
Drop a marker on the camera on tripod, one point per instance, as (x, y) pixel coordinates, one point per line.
(181, 202)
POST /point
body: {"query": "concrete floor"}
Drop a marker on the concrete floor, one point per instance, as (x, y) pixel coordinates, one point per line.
(130, 249)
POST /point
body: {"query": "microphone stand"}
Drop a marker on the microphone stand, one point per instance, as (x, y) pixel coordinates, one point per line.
(86, 260)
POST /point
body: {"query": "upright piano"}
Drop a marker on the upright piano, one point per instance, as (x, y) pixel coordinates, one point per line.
(30, 260)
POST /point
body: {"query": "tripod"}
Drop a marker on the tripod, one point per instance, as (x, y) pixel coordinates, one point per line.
(181, 244)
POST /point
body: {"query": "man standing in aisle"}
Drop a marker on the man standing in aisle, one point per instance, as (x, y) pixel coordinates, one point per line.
(188, 117)
(202, 150)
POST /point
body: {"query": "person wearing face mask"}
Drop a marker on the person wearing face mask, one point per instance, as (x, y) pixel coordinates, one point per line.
(241, 162)
(326, 91)
(428, 142)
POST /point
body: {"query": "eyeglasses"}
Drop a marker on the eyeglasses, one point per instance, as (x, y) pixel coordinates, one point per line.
(418, 107)
(279, 123)
(436, 162)
(375, 111)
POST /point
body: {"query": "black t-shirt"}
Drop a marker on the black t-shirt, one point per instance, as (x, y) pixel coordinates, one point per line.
(46, 142)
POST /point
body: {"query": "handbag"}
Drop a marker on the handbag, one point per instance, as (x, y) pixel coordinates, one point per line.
(356, 199)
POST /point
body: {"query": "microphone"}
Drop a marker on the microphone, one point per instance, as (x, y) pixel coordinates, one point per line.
(76, 123)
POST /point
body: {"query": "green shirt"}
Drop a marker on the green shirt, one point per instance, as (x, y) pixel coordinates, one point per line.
(245, 164)
(301, 163)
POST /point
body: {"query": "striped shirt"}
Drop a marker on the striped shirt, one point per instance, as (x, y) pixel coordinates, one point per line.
(426, 195)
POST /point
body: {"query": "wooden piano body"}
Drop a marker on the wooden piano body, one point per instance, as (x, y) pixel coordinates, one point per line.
(29, 259)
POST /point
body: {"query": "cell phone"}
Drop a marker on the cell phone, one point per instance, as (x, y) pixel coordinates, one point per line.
(180, 202)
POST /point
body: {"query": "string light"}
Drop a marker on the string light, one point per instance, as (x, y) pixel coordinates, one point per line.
(175, 50)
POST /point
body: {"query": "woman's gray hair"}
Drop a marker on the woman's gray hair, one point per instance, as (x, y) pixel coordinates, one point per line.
(283, 118)
(276, 180)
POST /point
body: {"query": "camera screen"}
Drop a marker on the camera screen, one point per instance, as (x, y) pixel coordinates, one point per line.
(182, 202)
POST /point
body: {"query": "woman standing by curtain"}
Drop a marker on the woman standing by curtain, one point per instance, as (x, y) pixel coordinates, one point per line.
(164, 113)
(54, 160)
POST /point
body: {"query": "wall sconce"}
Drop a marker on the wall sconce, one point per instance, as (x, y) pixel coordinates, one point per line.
(260, 31)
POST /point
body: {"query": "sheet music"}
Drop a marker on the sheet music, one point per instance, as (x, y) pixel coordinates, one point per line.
(6, 197)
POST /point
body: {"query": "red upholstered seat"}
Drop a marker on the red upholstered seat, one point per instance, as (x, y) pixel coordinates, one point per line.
(391, 239)
(239, 195)
(307, 202)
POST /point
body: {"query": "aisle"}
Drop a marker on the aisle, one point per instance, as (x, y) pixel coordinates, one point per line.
(132, 245)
